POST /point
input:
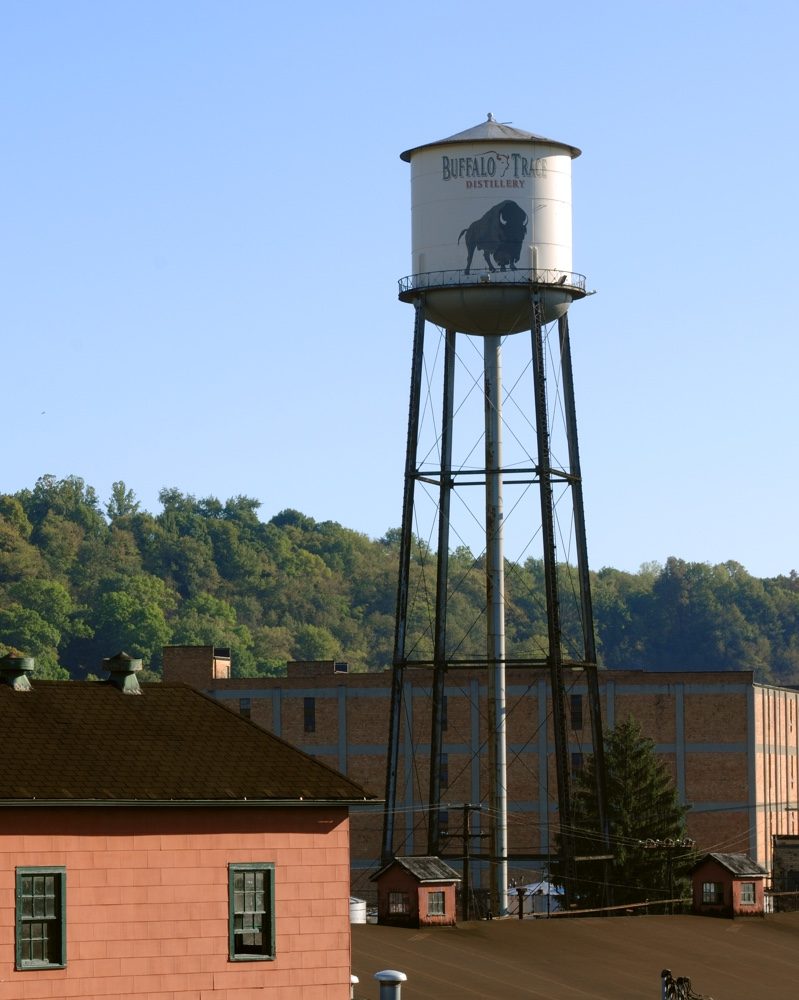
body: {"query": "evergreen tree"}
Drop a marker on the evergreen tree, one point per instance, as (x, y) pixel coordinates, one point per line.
(646, 825)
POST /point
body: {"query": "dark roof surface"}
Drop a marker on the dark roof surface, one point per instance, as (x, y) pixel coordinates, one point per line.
(736, 864)
(424, 868)
(87, 741)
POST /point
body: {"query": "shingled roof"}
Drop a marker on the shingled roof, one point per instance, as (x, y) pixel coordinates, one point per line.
(424, 868)
(88, 743)
(736, 864)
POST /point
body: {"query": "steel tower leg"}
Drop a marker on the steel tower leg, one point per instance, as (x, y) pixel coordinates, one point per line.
(442, 581)
(586, 605)
(495, 599)
(554, 653)
(400, 630)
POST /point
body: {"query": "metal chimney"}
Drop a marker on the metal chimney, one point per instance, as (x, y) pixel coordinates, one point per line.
(123, 669)
(14, 671)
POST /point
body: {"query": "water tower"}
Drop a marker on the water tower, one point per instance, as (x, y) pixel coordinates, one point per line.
(492, 262)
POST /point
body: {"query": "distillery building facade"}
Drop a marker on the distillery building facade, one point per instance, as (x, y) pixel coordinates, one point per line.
(730, 743)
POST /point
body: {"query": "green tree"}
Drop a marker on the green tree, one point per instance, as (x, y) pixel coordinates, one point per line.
(27, 631)
(68, 498)
(642, 805)
(207, 620)
(123, 501)
(312, 642)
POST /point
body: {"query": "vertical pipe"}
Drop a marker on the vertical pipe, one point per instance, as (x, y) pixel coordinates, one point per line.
(586, 604)
(390, 983)
(406, 538)
(466, 884)
(554, 653)
(495, 600)
(442, 580)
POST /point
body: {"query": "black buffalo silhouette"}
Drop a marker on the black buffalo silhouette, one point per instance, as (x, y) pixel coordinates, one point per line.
(499, 234)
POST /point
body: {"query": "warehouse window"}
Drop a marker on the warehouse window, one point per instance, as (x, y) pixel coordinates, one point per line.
(251, 902)
(435, 904)
(245, 707)
(398, 902)
(41, 918)
(576, 705)
(444, 770)
(444, 713)
(309, 714)
(747, 893)
(578, 762)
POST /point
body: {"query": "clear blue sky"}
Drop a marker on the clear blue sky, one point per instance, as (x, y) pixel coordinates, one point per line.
(204, 216)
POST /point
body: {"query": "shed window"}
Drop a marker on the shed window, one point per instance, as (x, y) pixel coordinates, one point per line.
(398, 902)
(435, 904)
(309, 714)
(41, 918)
(747, 893)
(251, 901)
(712, 892)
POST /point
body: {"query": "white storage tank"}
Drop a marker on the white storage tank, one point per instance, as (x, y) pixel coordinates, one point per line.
(491, 217)
(357, 910)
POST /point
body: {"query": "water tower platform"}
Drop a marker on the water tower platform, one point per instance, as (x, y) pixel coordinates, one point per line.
(492, 303)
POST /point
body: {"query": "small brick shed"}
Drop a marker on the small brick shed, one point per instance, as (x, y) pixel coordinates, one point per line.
(416, 891)
(728, 885)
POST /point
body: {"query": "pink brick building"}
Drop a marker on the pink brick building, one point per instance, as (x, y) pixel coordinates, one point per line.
(728, 885)
(155, 845)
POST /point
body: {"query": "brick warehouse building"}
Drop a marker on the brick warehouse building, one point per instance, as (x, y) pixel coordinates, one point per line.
(731, 744)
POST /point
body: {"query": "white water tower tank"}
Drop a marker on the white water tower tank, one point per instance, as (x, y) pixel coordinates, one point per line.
(491, 221)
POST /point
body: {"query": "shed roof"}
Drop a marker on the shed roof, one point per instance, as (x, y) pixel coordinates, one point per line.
(736, 864)
(425, 868)
(88, 743)
(491, 131)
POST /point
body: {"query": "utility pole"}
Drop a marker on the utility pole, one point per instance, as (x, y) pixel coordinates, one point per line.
(669, 845)
(466, 837)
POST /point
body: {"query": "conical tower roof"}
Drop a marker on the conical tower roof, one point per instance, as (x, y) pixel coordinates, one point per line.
(491, 131)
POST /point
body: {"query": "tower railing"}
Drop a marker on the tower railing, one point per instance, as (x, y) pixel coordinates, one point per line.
(549, 276)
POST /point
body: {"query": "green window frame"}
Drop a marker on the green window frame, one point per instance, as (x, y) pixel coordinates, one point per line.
(41, 918)
(435, 904)
(251, 917)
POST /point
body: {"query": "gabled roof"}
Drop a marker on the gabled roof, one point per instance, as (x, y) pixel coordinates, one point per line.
(736, 864)
(88, 743)
(492, 131)
(424, 868)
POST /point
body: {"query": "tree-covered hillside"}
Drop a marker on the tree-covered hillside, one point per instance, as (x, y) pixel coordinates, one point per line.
(78, 582)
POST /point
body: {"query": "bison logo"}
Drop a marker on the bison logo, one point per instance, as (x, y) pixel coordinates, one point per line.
(499, 234)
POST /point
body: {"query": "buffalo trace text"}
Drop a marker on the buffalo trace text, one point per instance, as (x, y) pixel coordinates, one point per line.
(490, 165)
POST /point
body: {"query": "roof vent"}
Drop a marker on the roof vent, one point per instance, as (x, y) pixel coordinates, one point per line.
(14, 671)
(123, 669)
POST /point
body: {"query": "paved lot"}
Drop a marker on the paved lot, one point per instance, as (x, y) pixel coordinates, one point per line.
(615, 958)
